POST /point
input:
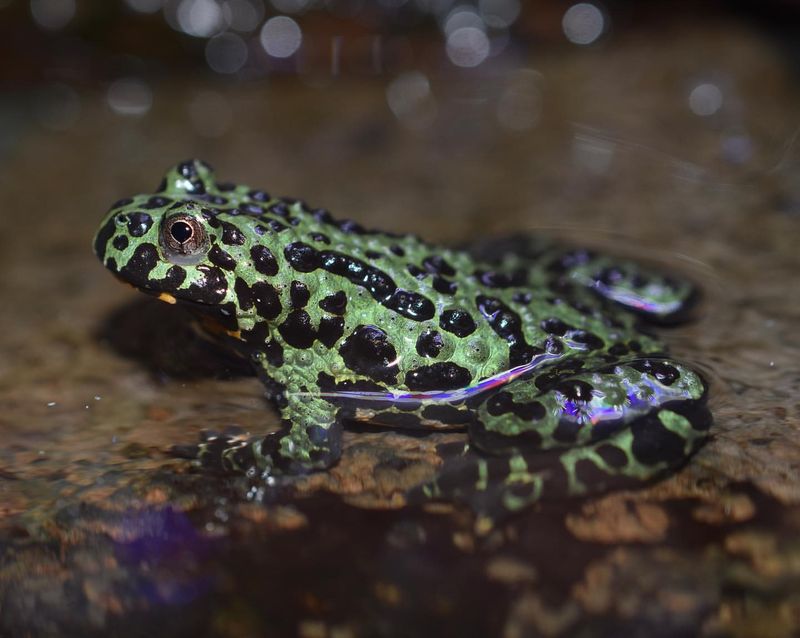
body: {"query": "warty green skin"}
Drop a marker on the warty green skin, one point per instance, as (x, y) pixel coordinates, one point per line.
(324, 308)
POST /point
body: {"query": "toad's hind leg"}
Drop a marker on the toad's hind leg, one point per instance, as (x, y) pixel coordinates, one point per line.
(517, 455)
(644, 290)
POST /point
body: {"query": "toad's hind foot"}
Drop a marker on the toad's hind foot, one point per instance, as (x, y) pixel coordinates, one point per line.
(498, 486)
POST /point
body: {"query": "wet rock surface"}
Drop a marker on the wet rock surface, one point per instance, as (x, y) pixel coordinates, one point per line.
(102, 532)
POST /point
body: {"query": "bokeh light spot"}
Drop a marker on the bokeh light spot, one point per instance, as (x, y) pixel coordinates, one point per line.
(129, 96)
(410, 100)
(243, 15)
(145, 6)
(499, 14)
(226, 53)
(291, 6)
(52, 14)
(593, 155)
(281, 37)
(467, 46)
(705, 99)
(200, 18)
(460, 17)
(583, 23)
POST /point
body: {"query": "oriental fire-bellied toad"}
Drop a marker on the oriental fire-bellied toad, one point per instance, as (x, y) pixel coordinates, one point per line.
(534, 348)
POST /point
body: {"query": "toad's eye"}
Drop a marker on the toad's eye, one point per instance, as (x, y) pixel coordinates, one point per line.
(181, 231)
(184, 239)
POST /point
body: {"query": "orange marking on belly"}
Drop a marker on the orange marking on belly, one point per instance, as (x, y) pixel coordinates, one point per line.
(165, 296)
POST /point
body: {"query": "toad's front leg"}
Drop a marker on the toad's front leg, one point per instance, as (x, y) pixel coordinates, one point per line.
(310, 440)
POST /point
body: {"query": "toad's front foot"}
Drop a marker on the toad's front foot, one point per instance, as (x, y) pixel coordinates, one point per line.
(278, 453)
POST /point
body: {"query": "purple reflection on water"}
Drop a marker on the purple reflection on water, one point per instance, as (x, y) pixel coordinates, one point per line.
(164, 546)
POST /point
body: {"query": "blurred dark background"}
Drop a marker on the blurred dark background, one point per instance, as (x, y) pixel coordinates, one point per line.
(51, 50)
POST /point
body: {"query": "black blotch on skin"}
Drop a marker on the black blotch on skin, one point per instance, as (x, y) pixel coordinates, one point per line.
(457, 321)
(121, 202)
(213, 287)
(330, 330)
(156, 202)
(273, 350)
(566, 432)
(231, 236)
(368, 351)
(416, 272)
(266, 300)
(299, 295)
(429, 344)
(336, 304)
(297, 330)
(662, 371)
(320, 237)
(569, 260)
(120, 242)
(507, 324)
(411, 305)
(493, 279)
(523, 298)
(653, 443)
(275, 225)
(103, 235)
(397, 250)
(280, 209)
(618, 350)
(259, 195)
(590, 340)
(243, 294)
(257, 336)
(137, 269)
(373, 254)
(264, 261)
(302, 257)
(189, 171)
(444, 286)
(554, 326)
(252, 209)
(220, 258)
(590, 474)
(226, 187)
(351, 227)
(503, 403)
(211, 217)
(696, 412)
(612, 455)
(438, 266)
(176, 275)
(438, 376)
(139, 224)
(380, 285)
